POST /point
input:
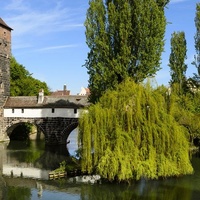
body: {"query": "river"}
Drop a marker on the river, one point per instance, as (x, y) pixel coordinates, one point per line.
(24, 176)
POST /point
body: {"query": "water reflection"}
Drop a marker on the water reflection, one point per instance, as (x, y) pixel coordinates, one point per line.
(35, 155)
(60, 190)
(32, 159)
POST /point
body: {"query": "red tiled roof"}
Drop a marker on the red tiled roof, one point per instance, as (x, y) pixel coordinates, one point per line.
(60, 93)
(2, 23)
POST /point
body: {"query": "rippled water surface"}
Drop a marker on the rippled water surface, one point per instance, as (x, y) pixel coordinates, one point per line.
(25, 167)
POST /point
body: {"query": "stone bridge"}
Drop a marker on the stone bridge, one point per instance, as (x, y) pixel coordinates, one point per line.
(55, 116)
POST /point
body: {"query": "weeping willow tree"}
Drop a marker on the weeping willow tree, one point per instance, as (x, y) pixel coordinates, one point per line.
(130, 134)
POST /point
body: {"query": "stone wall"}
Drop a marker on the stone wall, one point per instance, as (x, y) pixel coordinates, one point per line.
(4, 90)
(4, 79)
(56, 130)
(5, 54)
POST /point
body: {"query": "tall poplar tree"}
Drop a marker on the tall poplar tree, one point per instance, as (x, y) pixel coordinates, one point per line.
(177, 59)
(197, 44)
(125, 39)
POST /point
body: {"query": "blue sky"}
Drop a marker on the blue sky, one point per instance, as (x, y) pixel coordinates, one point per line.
(49, 38)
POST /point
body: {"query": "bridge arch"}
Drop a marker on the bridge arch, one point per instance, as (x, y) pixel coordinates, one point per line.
(56, 130)
(68, 130)
(14, 124)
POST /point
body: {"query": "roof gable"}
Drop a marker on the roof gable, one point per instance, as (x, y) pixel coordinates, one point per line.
(2, 23)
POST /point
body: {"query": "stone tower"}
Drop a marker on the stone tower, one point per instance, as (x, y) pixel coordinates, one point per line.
(5, 54)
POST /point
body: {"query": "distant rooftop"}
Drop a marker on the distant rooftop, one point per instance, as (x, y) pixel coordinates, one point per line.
(63, 92)
(84, 91)
(60, 93)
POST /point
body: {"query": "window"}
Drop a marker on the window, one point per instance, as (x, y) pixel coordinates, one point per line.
(53, 110)
(75, 110)
(13, 110)
(22, 110)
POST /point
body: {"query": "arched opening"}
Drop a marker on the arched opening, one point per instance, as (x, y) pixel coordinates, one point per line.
(24, 131)
(72, 142)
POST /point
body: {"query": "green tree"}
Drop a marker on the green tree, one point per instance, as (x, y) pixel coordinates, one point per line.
(196, 78)
(177, 59)
(129, 134)
(125, 39)
(22, 83)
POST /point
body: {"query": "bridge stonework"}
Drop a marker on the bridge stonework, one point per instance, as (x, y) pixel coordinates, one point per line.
(55, 130)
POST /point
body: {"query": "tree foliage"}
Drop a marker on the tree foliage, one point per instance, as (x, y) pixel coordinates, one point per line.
(187, 111)
(125, 39)
(22, 83)
(129, 134)
(177, 59)
(196, 62)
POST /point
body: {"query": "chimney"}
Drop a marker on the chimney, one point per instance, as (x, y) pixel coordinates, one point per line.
(41, 96)
(65, 88)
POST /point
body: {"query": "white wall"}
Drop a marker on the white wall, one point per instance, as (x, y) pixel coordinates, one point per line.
(27, 172)
(41, 112)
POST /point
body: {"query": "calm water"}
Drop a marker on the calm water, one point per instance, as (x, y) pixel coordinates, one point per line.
(24, 176)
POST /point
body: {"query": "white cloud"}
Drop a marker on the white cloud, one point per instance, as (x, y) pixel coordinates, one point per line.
(30, 20)
(35, 21)
(16, 5)
(58, 47)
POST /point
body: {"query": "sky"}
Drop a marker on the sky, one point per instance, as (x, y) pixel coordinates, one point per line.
(48, 39)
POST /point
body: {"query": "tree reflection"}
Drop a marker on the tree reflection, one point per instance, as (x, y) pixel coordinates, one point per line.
(143, 190)
(16, 193)
(37, 154)
(52, 157)
(24, 151)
